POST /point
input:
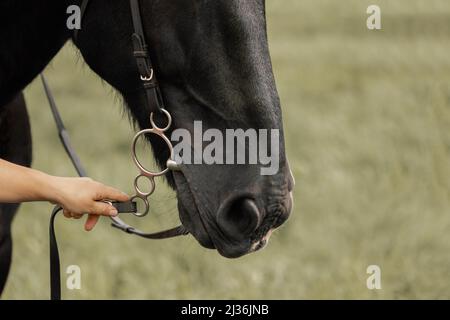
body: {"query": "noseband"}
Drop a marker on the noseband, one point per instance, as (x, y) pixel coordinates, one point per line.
(155, 104)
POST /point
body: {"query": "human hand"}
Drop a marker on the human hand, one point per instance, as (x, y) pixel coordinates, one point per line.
(79, 196)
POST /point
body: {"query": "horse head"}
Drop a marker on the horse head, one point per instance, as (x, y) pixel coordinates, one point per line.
(214, 69)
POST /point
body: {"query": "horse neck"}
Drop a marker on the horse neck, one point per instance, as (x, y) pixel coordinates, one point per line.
(31, 34)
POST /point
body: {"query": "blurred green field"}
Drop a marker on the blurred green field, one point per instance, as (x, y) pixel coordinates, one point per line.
(367, 118)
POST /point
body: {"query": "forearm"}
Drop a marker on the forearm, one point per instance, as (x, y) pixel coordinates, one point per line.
(21, 184)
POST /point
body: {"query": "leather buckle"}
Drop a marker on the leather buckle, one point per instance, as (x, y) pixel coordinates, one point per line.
(140, 54)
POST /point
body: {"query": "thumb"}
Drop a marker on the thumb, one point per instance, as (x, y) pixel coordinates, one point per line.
(103, 209)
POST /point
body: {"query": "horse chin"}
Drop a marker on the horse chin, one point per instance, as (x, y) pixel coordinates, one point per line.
(189, 213)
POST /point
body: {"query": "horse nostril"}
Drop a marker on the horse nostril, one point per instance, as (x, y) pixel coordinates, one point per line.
(241, 218)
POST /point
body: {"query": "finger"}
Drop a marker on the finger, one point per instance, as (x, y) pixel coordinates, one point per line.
(77, 216)
(91, 221)
(103, 209)
(113, 194)
(67, 214)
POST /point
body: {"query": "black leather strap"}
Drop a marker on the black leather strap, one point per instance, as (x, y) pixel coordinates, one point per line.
(125, 207)
(55, 272)
(83, 8)
(62, 132)
(137, 19)
(143, 60)
(170, 233)
(55, 269)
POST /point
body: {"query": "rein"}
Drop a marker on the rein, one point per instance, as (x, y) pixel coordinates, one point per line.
(155, 104)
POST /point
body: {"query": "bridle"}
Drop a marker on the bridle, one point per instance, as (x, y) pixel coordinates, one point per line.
(155, 104)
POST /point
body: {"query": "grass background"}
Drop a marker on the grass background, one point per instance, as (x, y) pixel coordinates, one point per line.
(367, 118)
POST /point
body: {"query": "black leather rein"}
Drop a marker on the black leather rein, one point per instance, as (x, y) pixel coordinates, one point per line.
(155, 104)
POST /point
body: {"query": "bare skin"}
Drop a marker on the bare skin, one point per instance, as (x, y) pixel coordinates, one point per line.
(77, 196)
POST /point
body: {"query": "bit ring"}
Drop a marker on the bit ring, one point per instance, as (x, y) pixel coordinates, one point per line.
(144, 171)
(139, 191)
(147, 206)
(169, 121)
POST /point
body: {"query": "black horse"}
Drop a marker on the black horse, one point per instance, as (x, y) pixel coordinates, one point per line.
(213, 64)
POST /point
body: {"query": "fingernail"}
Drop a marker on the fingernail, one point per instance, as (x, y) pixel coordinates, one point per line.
(113, 212)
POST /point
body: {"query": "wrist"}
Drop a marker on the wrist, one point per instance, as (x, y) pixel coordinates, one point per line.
(50, 190)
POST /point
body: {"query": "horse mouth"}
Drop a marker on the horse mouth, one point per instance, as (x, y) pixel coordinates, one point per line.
(193, 222)
(190, 216)
(189, 213)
